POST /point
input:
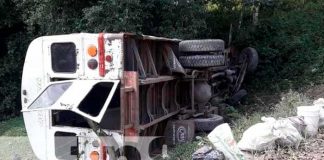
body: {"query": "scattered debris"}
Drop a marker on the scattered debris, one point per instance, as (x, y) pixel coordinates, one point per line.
(311, 118)
(165, 152)
(298, 122)
(320, 103)
(207, 153)
(311, 149)
(223, 140)
(265, 135)
(289, 135)
(275, 138)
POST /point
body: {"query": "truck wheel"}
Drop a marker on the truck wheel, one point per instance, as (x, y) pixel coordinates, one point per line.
(208, 124)
(198, 47)
(252, 57)
(201, 61)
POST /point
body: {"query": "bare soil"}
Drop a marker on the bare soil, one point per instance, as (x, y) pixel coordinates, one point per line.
(315, 92)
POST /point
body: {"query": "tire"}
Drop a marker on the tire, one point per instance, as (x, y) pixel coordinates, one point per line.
(198, 47)
(202, 61)
(252, 57)
(208, 124)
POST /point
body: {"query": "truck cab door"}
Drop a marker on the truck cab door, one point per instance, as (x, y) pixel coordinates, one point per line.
(89, 98)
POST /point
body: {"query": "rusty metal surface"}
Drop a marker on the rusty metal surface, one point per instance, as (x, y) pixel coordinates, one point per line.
(129, 100)
(171, 60)
(176, 95)
(142, 37)
(142, 127)
(157, 80)
(148, 37)
(149, 102)
(241, 76)
(148, 93)
(142, 71)
(150, 60)
(165, 110)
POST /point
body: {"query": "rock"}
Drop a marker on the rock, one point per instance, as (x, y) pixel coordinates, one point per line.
(207, 153)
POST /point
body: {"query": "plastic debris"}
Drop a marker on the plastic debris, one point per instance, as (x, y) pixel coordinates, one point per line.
(207, 153)
(298, 122)
(266, 135)
(223, 140)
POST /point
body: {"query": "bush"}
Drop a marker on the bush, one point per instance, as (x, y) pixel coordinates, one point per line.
(290, 45)
(288, 37)
(10, 75)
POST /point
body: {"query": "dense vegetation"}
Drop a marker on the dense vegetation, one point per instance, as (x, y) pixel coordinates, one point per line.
(288, 34)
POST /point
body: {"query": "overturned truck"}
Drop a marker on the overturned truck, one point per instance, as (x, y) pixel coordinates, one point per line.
(104, 96)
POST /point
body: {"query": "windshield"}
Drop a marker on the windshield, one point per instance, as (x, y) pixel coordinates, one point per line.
(50, 95)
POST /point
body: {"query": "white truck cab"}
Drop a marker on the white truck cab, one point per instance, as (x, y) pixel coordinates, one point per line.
(61, 75)
(81, 93)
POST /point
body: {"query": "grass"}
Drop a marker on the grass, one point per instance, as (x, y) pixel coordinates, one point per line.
(13, 127)
(184, 151)
(14, 143)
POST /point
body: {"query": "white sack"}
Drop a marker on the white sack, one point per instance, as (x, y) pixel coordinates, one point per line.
(263, 136)
(288, 135)
(223, 140)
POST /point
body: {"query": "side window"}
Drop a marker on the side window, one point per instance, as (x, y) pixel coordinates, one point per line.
(63, 57)
(50, 95)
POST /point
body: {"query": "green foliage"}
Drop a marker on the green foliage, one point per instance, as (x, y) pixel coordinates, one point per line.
(170, 18)
(47, 17)
(288, 35)
(10, 75)
(223, 13)
(7, 14)
(231, 112)
(114, 16)
(22, 21)
(289, 43)
(181, 19)
(13, 127)
(184, 151)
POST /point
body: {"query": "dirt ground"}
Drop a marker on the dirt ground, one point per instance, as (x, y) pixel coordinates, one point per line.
(15, 148)
(315, 92)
